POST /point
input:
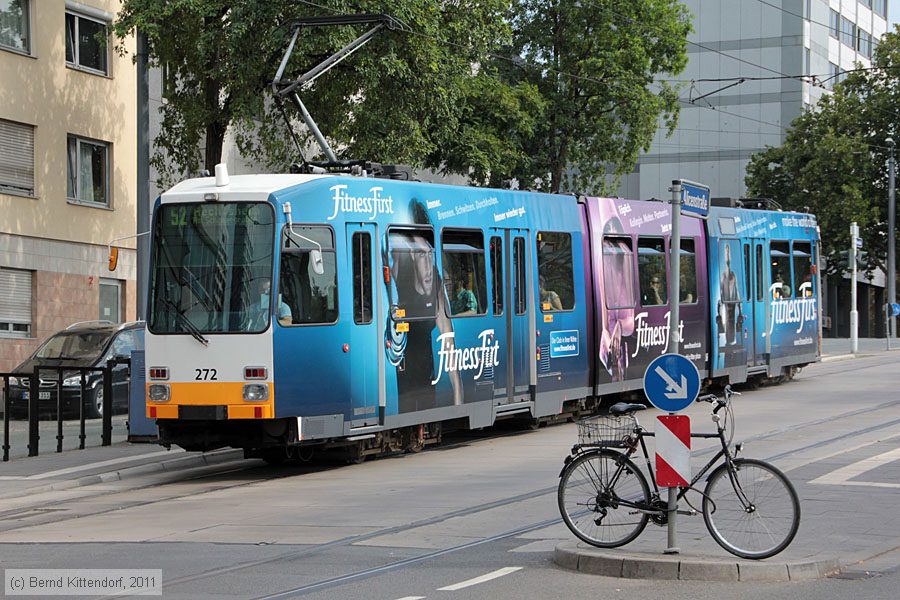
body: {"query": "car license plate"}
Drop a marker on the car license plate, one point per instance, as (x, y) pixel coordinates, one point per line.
(41, 395)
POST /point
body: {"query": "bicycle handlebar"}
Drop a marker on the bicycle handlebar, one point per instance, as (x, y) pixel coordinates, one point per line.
(720, 402)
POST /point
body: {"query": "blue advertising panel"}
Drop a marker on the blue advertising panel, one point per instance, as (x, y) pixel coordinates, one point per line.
(671, 382)
(694, 199)
(563, 343)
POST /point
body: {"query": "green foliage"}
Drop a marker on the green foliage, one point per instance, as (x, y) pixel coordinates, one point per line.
(575, 98)
(833, 160)
(594, 64)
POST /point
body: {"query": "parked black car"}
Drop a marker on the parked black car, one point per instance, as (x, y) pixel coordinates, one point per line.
(88, 344)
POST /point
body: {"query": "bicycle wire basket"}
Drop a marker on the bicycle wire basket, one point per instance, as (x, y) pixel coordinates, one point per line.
(606, 430)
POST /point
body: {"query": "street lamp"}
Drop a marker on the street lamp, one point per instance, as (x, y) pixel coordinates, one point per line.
(891, 268)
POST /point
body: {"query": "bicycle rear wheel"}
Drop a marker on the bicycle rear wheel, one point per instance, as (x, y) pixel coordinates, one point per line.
(590, 492)
(754, 515)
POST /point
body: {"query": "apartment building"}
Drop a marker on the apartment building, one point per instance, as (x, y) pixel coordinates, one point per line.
(67, 170)
(723, 120)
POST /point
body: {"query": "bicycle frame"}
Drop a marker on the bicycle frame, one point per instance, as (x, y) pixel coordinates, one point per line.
(631, 449)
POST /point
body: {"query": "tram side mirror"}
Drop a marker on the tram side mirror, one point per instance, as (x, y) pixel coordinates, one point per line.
(318, 265)
(113, 258)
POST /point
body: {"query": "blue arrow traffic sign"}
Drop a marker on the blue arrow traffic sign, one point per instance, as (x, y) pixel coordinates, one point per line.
(671, 382)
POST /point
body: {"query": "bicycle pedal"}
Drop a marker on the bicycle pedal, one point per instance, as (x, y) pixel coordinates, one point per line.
(689, 513)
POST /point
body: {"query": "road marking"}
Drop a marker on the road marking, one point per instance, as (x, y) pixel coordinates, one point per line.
(412, 598)
(843, 475)
(839, 452)
(482, 579)
(105, 463)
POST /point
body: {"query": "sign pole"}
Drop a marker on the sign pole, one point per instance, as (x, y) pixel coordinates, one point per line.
(854, 314)
(674, 316)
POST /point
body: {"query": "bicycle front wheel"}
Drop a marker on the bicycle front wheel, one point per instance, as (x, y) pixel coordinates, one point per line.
(590, 495)
(751, 510)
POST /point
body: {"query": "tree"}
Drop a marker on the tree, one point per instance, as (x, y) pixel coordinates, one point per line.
(593, 65)
(395, 101)
(574, 98)
(833, 160)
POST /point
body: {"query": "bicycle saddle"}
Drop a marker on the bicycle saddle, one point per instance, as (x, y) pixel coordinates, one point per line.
(624, 408)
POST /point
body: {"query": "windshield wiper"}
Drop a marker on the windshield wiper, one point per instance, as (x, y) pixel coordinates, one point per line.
(186, 323)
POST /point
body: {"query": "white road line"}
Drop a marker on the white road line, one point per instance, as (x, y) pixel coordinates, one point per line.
(105, 463)
(843, 475)
(412, 598)
(482, 579)
(840, 452)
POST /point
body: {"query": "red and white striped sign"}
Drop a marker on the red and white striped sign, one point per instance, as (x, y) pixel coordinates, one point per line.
(673, 451)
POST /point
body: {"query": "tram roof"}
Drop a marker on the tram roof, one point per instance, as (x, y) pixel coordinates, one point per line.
(241, 187)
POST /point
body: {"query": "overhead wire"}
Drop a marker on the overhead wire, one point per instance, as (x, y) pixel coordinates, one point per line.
(522, 64)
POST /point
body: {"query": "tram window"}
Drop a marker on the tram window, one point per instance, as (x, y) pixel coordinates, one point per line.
(802, 259)
(519, 282)
(726, 226)
(413, 272)
(497, 273)
(362, 278)
(729, 285)
(760, 272)
(555, 279)
(618, 272)
(747, 269)
(465, 279)
(780, 255)
(308, 281)
(688, 272)
(652, 271)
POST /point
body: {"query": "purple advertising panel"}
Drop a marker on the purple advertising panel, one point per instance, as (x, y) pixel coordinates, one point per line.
(630, 245)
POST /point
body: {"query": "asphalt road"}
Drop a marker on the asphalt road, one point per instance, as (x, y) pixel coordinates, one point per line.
(477, 518)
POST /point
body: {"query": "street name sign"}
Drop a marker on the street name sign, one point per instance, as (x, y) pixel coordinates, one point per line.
(694, 199)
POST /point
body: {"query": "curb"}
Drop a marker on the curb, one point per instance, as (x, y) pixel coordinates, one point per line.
(578, 557)
(166, 466)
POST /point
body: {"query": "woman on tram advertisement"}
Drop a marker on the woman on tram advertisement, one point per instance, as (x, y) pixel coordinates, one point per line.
(418, 301)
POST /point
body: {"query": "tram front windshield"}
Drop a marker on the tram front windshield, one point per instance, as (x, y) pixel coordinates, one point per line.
(211, 268)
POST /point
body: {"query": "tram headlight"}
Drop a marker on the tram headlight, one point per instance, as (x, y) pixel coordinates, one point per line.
(159, 392)
(256, 392)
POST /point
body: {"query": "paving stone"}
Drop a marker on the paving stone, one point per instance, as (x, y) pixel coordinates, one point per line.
(600, 564)
(706, 571)
(649, 568)
(760, 571)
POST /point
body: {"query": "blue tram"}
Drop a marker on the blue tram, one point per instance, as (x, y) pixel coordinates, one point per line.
(292, 310)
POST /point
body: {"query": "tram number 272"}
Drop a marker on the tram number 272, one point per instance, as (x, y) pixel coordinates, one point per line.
(205, 375)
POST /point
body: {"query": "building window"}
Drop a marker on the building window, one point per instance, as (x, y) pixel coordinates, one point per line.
(834, 24)
(15, 303)
(88, 171)
(15, 26)
(866, 3)
(16, 158)
(834, 74)
(110, 300)
(880, 8)
(865, 44)
(848, 32)
(556, 282)
(86, 46)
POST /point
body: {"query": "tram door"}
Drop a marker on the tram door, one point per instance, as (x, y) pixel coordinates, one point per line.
(364, 347)
(759, 301)
(518, 319)
(509, 263)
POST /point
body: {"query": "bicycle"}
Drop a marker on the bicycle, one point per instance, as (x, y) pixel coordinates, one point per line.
(750, 507)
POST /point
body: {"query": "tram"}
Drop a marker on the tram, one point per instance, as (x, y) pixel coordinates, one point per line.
(288, 311)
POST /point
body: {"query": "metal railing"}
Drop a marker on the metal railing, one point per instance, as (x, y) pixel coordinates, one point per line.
(36, 385)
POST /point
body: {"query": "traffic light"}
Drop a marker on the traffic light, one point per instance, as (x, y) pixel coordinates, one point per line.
(845, 259)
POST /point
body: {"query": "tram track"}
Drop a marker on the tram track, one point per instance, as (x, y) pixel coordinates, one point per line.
(474, 510)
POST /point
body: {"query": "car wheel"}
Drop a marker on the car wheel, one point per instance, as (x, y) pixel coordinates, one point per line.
(93, 408)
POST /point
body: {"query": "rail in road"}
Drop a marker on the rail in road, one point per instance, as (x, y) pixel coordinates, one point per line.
(807, 440)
